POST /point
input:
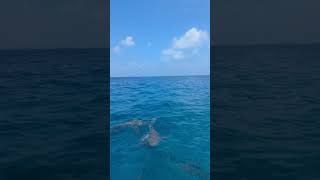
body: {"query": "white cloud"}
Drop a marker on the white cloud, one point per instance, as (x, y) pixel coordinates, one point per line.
(173, 54)
(126, 42)
(193, 38)
(192, 41)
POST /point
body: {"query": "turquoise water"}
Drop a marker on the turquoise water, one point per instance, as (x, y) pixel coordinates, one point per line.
(182, 108)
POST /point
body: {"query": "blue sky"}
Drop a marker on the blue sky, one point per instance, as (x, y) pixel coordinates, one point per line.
(159, 37)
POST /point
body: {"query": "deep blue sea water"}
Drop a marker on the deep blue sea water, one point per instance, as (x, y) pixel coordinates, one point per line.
(265, 122)
(53, 114)
(182, 108)
(266, 112)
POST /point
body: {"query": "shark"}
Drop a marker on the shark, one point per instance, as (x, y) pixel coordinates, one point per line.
(152, 138)
(134, 124)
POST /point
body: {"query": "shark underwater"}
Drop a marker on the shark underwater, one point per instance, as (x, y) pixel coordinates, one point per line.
(134, 124)
(173, 164)
(152, 138)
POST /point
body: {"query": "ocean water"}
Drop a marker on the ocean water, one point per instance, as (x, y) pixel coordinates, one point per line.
(265, 122)
(266, 112)
(182, 108)
(53, 114)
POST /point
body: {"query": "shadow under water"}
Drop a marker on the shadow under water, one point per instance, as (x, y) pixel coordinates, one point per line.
(173, 167)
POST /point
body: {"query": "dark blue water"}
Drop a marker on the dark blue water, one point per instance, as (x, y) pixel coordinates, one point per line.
(266, 113)
(53, 114)
(182, 108)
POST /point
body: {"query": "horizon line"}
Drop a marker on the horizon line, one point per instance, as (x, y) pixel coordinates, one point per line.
(159, 76)
(265, 44)
(26, 49)
(212, 45)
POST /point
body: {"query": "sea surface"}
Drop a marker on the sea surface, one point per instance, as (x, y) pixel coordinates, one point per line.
(266, 112)
(53, 115)
(182, 108)
(265, 123)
